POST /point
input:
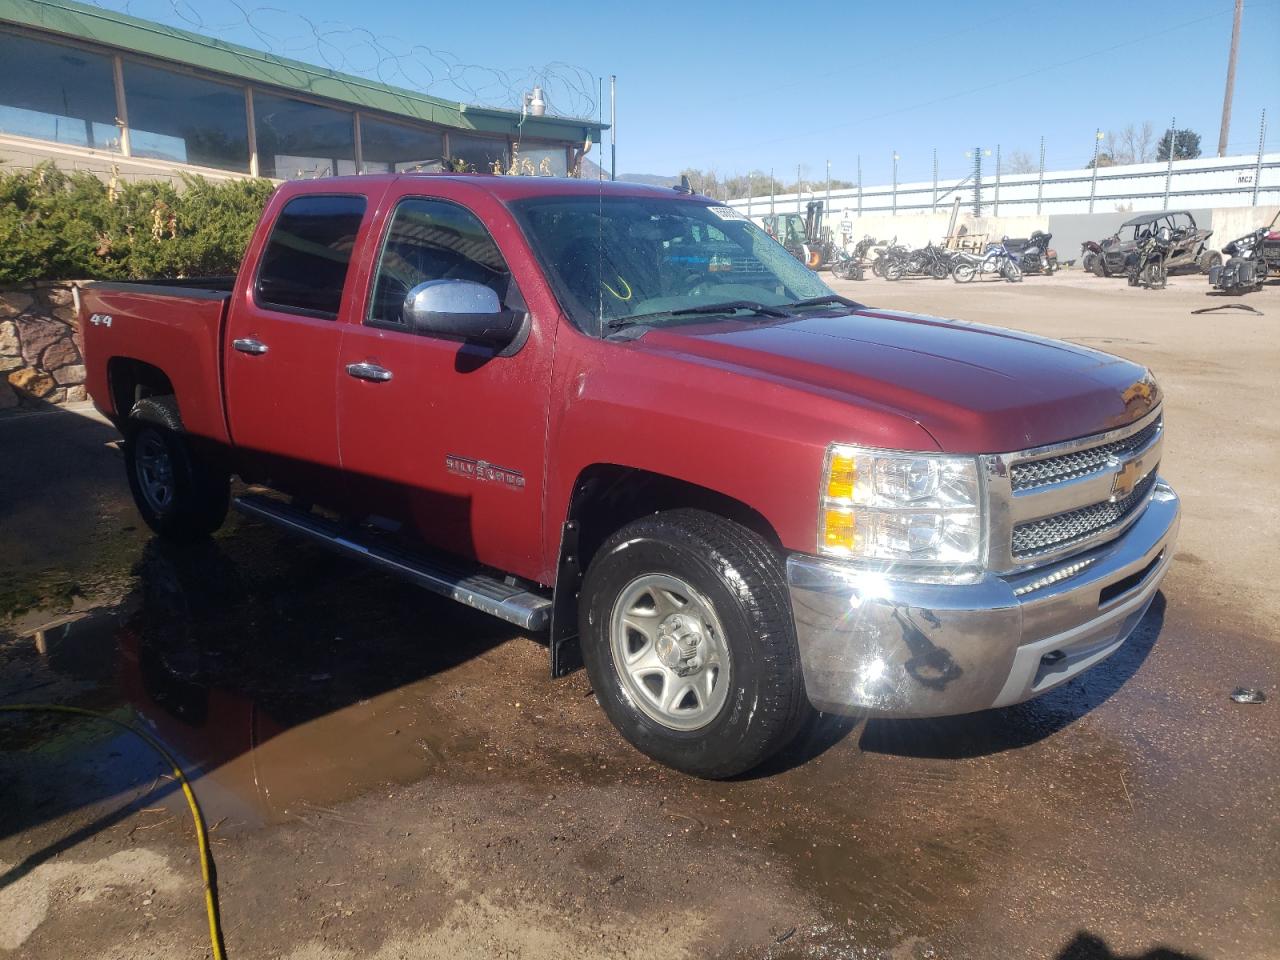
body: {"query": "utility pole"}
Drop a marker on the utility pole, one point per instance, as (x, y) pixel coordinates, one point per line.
(1231, 80)
(613, 126)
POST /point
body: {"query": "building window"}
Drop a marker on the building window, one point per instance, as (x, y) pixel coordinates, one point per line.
(544, 161)
(57, 93)
(396, 148)
(300, 141)
(178, 117)
(479, 153)
(304, 265)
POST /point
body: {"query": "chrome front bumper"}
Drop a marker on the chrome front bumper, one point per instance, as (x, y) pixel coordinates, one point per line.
(873, 644)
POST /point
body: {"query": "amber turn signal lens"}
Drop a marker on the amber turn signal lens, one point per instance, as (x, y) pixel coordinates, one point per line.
(839, 530)
(842, 476)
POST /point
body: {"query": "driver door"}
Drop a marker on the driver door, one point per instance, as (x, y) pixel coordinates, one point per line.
(444, 437)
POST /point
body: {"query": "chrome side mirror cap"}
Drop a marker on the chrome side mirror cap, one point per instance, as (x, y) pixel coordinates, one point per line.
(462, 310)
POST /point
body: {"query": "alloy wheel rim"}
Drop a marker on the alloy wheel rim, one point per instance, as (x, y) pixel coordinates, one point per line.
(669, 651)
(154, 468)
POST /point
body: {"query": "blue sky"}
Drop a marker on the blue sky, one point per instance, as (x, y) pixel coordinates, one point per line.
(745, 85)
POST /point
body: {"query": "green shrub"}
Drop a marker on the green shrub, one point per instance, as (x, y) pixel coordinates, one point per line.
(72, 226)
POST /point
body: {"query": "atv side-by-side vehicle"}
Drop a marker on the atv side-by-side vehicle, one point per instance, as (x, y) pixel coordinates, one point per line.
(1188, 244)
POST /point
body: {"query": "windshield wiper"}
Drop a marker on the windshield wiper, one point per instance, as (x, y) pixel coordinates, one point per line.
(829, 298)
(729, 306)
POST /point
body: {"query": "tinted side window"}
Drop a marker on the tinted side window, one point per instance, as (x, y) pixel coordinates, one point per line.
(304, 264)
(433, 240)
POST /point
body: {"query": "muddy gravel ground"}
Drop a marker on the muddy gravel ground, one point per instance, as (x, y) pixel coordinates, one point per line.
(390, 775)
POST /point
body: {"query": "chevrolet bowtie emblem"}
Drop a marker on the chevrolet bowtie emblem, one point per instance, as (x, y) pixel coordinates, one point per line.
(1126, 479)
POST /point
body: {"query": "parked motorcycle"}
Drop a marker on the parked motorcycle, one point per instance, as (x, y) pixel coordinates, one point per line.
(1148, 265)
(883, 253)
(1033, 254)
(1091, 257)
(1246, 271)
(995, 260)
(849, 266)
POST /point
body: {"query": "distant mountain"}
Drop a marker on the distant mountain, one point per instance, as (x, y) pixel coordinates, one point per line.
(591, 170)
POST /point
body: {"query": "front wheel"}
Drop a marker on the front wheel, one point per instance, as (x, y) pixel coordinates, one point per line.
(688, 639)
(892, 271)
(1011, 272)
(963, 272)
(180, 495)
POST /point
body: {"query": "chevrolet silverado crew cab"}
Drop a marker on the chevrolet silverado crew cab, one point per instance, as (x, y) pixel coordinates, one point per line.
(737, 496)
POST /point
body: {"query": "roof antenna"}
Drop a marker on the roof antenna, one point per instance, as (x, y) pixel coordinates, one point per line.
(684, 185)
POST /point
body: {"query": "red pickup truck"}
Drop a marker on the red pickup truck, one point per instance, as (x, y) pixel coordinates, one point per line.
(625, 416)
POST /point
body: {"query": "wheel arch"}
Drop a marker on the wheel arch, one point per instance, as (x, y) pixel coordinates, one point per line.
(129, 380)
(606, 497)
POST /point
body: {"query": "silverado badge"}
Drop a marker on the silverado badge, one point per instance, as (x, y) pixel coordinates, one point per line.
(483, 471)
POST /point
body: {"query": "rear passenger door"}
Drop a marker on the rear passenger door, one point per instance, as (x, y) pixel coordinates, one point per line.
(281, 347)
(451, 441)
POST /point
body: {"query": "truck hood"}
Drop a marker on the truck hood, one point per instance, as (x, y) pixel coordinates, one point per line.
(974, 388)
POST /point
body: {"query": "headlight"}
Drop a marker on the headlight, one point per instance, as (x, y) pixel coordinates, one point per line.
(908, 510)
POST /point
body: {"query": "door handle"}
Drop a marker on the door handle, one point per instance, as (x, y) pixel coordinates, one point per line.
(369, 371)
(255, 348)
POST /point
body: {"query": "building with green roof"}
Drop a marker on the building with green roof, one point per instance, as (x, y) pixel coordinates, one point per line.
(98, 90)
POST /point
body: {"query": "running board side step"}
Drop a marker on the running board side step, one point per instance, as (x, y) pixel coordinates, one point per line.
(516, 603)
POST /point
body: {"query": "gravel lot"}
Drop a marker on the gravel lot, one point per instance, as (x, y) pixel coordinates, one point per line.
(390, 775)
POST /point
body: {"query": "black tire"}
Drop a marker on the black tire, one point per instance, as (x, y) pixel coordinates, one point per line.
(892, 270)
(742, 579)
(1208, 260)
(1100, 267)
(963, 272)
(180, 495)
(842, 269)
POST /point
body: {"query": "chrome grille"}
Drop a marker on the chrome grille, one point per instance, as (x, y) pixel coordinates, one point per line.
(1081, 463)
(1063, 529)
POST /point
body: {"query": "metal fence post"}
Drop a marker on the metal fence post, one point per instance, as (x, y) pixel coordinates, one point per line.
(772, 190)
(859, 185)
(977, 181)
(933, 206)
(1257, 169)
(1173, 148)
(1040, 184)
(1093, 181)
(997, 210)
(895, 183)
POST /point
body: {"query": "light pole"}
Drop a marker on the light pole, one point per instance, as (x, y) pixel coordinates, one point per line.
(1093, 181)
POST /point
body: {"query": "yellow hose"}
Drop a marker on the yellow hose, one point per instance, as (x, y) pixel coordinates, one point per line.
(202, 837)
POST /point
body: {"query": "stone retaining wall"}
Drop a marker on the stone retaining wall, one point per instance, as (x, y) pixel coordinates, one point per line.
(41, 353)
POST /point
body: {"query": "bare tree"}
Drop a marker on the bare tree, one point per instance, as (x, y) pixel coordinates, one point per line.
(1019, 161)
(1130, 145)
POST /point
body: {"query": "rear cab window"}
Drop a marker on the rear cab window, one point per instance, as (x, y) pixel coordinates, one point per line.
(304, 264)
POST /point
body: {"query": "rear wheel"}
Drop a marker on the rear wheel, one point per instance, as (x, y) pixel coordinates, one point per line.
(892, 271)
(689, 642)
(1011, 272)
(1208, 260)
(939, 270)
(180, 495)
(963, 272)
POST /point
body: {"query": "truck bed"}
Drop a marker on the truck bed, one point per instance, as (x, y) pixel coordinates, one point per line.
(175, 326)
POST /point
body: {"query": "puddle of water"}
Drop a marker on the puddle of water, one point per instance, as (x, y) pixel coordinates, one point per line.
(281, 701)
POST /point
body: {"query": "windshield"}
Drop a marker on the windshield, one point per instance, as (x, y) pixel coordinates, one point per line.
(613, 258)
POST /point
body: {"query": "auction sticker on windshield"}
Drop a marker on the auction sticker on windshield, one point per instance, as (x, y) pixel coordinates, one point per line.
(726, 213)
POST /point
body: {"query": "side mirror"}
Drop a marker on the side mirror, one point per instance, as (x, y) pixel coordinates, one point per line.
(460, 309)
